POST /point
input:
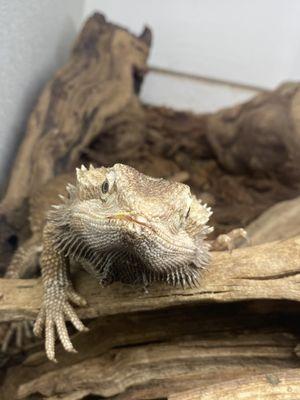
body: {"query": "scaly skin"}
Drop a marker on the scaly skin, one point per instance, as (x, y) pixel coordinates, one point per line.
(120, 225)
(58, 293)
(24, 263)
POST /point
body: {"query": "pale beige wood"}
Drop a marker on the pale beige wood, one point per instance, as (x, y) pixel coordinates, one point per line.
(281, 221)
(282, 385)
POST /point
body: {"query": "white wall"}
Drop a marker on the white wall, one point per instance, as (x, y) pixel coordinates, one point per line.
(35, 38)
(189, 93)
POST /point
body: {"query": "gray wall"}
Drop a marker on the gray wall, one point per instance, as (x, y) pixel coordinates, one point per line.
(35, 38)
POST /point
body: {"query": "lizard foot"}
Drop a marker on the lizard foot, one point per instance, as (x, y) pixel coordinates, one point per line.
(229, 241)
(17, 334)
(52, 317)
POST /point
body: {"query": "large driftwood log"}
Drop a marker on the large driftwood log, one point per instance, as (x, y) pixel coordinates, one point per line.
(270, 271)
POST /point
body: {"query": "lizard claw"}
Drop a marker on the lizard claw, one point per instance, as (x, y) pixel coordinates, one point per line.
(52, 317)
(230, 240)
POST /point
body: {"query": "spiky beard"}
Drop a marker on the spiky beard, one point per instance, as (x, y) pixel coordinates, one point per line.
(124, 263)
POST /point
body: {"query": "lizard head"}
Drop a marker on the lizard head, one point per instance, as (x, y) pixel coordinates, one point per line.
(118, 210)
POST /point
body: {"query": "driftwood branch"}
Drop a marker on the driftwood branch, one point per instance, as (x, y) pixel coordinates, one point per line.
(123, 355)
(134, 367)
(284, 385)
(281, 221)
(269, 271)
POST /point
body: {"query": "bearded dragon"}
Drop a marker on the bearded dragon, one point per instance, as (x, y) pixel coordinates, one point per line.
(119, 225)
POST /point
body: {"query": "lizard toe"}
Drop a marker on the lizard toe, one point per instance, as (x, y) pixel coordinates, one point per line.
(39, 324)
(70, 313)
(76, 298)
(50, 339)
(7, 339)
(63, 334)
(28, 329)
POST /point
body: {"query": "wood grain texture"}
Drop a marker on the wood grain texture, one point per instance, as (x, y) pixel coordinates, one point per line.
(177, 364)
(156, 354)
(269, 271)
(283, 385)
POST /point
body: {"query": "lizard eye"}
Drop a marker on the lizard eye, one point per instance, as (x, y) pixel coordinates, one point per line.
(188, 212)
(105, 186)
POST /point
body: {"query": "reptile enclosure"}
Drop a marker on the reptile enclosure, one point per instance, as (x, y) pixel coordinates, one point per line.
(236, 335)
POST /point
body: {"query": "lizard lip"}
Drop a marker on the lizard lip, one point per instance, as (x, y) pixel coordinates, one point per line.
(138, 219)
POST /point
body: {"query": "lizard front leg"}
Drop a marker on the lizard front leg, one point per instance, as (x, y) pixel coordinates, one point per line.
(58, 293)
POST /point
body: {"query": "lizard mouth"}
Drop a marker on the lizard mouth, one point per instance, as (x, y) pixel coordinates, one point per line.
(137, 219)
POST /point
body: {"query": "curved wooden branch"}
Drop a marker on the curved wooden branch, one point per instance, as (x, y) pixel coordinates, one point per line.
(269, 271)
